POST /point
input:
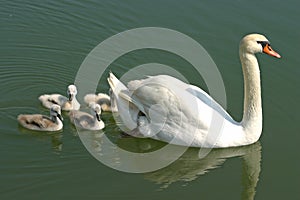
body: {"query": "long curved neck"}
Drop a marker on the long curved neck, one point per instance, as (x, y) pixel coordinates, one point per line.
(54, 118)
(252, 116)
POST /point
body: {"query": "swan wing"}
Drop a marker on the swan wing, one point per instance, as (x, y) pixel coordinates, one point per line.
(89, 98)
(174, 96)
(99, 98)
(85, 120)
(37, 122)
(175, 112)
(49, 99)
(81, 119)
(209, 101)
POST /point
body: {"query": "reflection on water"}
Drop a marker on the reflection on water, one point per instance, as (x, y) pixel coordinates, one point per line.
(56, 142)
(55, 137)
(189, 166)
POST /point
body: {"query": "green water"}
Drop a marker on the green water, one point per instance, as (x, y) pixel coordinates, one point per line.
(42, 45)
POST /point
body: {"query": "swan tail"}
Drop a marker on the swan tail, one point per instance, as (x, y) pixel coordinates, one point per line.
(47, 101)
(44, 97)
(127, 110)
(22, 119)
(115, 84)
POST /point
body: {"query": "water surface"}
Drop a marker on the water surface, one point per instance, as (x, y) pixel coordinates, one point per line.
(43, 45)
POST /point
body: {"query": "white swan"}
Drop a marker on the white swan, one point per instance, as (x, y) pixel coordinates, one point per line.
(167, 109)
(66, 104)
(43, 123)
(86, 121)
(102, 99)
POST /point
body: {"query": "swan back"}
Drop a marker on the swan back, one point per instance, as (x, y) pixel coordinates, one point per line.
(102, 99)
(43, 123)
(88, 121)
(66, 103)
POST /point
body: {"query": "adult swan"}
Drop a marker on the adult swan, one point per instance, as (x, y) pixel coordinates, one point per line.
(167, 109)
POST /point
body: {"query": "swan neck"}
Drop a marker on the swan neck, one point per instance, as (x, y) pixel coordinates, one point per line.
(252, 116)
(74, 101)
(53, 118)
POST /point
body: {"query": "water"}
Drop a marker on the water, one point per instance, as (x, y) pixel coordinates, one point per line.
(43, 45)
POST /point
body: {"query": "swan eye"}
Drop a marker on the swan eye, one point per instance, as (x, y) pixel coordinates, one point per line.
(263, 43)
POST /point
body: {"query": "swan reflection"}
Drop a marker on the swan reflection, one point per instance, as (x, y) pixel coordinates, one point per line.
(189, 167)
(186, 168)
(55, 138)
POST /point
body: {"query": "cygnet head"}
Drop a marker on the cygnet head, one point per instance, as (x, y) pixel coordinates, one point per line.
(72, 92)
(257, 43)
(96, 108)
(55, 111)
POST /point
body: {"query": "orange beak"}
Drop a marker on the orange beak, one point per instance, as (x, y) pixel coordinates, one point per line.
(268, 50)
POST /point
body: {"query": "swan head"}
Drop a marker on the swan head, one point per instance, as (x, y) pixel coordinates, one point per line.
(257, 43)
(55, 111)
(96, 109)
(72, 92)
